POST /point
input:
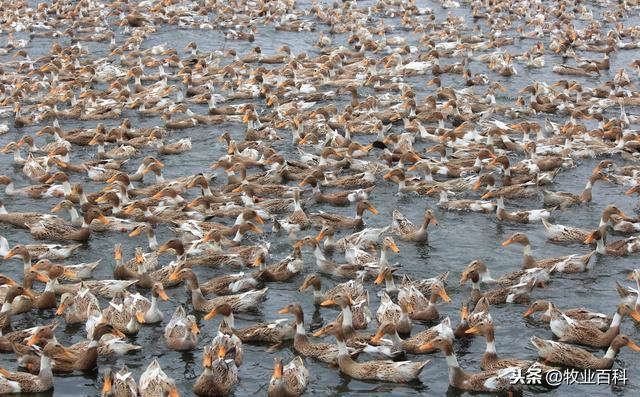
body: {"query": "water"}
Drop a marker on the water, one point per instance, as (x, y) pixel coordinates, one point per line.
(458, 239)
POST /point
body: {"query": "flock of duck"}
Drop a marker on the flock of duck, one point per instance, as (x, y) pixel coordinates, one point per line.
(301, 147)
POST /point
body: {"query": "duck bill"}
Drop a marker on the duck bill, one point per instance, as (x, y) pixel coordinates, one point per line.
(33, 340)
(426, 347)
(507, 243)
(207, 361)
(444, 296)
(320, 236)
(412, 168)
(434, 221)
(42, 278)
(158, 196)
(222, 352)
(259, 219)
(303, 183)
(163, 295)
(376, 338)
(319, 332)
(464, 313)
(140, 317)
(106, 386)
(112, 179)
(472, 331)
(486, 196)
(174, 277)
(174, 392)
(373, 210)
(61, 309)
(211, 314)
(10, 254)
(194, 329)
(50, 180)
(328, 302)
(303, 287)
(135, 232)
(631, 277)
(590, 239)
(635, 315)
(103, 219)
(633, 346)
(57, 208)
(394, 248)
(283, 310)
(529, 312)
(387, 176)
(69, 273)
(69, 354)
(630, 191)
(277, 371)
(259, 261)
(379, 279)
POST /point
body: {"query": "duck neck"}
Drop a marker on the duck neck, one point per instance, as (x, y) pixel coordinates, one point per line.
(347, 319)
(443, 197)
(153, 242)
(527, 257)
(45, 374)
(230, 320)
(389, 283)
(10, 189)
(491, 344)
(600, 247)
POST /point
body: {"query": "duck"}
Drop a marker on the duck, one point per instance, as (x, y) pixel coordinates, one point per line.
(219, 376)
(326, 265)
(7, 309)
(181, 333)
(490, 360)
(388, 311)
(43, 251)
(563, 200)
(420, 308)
(407, 231)
(323, 352)
(352, 287)
(518, 293)
(599, 320)
(412, 344)
(519, 216)
(23, 382)
(571, 331)
(340, 198)
(122, 384)
(485, 381)
(380, 370)
(32, 191)
(481, 206)
(340, 222)
(560, 353)
(155, 382)
(48, 229)
(246, 301)
(290, 380)
(618, 248)
(569, 263)
(562, 233)
(274, 332)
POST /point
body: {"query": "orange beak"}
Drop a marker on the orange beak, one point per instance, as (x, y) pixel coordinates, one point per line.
(379, 278)
(259, 261)
(443, 294)
(376, 338)
(163, 295)
(477, 185)
(283, 311)
(590, 239)
(69, 273)
(633, 346)
(328, 302)
(259, 219)
(472, 330)
(174, 392)
(106, 386)
(635, 315)
(207, 361)
(56, 208)
(33, 340)
(630, 191)
(426, 347)
(140, 317)
(319, 332)
(412, 168)
(222, 351)
(320, 235)
(506, 243)
(211, 315)
(42, 278)
(373, 210)
(61, 309)
(103, 219)
(194, 329)
(528, 312)
(277, 371)
(394, 248)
